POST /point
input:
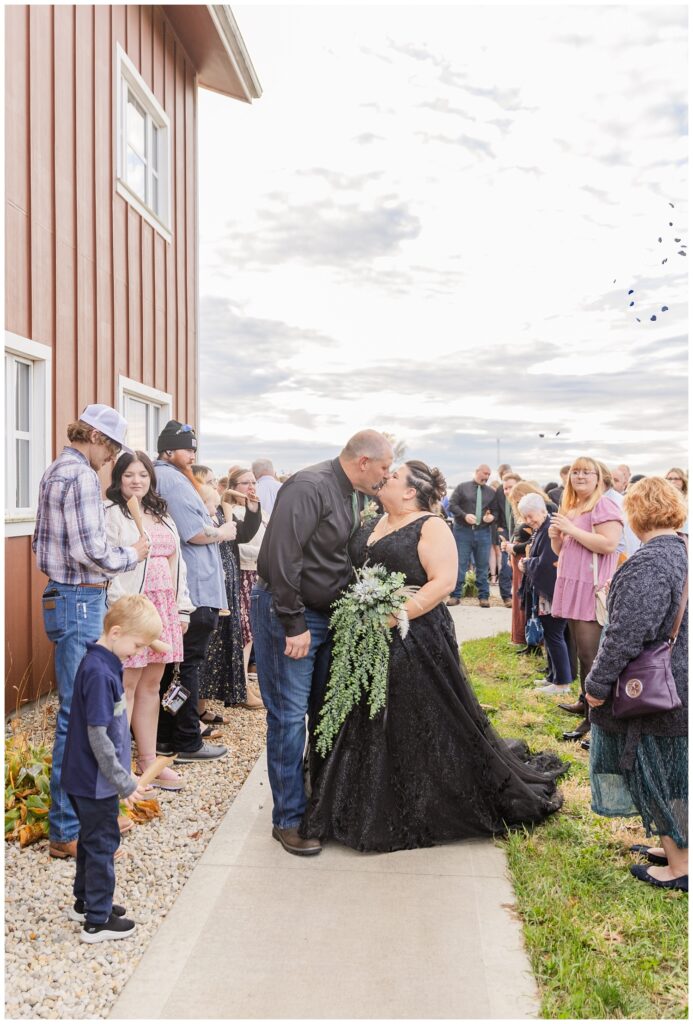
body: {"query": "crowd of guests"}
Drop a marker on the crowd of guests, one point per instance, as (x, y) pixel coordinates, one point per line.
(599, 561)
(158, 578)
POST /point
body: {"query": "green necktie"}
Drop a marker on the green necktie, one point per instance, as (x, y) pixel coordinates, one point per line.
(355, 514)
(509, 518)
(478, 505)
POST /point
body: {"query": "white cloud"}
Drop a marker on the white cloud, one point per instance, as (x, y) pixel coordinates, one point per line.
(437, 200)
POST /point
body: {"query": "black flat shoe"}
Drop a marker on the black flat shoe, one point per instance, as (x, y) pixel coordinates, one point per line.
(653, 858)
(577, 734)
(585, 744)
(642, 873)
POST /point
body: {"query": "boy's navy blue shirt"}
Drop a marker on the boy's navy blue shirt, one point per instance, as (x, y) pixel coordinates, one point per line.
(98, 699)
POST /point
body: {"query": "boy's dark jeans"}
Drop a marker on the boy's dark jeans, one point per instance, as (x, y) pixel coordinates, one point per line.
(182, 730)
(99, 838)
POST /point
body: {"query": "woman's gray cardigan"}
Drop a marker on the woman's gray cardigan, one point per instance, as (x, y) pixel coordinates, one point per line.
(643, 600)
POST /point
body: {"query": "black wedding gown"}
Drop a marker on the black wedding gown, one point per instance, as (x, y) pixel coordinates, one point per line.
(429, 768)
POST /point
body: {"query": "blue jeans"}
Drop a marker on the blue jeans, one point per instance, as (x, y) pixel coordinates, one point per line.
(291, 689)
(505, 577)
(99, 838)
(475, 541)
(556, 643)
(72, 617)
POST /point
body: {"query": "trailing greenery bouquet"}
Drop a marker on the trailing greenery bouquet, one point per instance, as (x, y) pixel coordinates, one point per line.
(361, 646)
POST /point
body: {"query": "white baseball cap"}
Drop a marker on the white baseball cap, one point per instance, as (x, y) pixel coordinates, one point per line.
(108, 421)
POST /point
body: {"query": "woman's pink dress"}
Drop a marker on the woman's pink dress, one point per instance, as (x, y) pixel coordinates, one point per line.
(573, 597)
(160, 589)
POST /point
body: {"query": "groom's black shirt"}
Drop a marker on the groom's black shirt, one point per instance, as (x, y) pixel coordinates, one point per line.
(303, 557)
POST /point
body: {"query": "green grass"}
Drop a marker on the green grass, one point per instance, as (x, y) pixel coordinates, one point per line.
(601, 944)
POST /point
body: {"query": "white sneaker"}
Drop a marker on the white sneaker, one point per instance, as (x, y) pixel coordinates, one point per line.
(552, 688)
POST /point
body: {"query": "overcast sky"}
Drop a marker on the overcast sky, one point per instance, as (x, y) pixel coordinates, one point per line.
(418, 226)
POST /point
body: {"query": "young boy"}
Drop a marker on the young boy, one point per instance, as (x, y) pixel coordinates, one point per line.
(96, 764)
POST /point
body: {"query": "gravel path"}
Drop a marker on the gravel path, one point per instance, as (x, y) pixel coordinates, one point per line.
(49, 973)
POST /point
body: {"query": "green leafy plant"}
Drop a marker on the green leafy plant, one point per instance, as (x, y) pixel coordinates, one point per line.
(361, 647)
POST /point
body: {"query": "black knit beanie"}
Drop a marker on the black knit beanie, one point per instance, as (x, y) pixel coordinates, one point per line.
(176, 435)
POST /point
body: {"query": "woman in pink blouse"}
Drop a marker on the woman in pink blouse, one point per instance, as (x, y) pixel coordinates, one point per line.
(587, 524)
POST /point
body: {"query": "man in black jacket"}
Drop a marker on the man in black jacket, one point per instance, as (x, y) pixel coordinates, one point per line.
(303, 567)
(473, 506)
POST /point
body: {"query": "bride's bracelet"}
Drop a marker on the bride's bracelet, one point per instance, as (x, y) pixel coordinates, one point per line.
(418, 604)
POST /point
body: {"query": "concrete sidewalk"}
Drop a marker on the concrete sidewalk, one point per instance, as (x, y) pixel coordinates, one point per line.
(257, 933)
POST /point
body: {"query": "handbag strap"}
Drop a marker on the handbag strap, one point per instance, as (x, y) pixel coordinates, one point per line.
(595, 570)
(684, 599)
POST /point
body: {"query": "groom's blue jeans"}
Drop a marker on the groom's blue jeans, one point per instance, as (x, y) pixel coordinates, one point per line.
(473, 540)
(291, 689)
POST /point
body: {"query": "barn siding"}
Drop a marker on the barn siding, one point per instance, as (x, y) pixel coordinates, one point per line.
(84, 273)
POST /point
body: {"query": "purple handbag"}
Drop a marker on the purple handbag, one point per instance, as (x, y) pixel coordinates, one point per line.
(646, 686)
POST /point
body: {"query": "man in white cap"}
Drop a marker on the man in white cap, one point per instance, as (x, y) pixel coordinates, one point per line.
(71, 549)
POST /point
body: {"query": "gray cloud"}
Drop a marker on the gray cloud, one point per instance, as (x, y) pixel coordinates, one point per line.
(367, 138)
(342, 182)
(323, 233)
(465, 141)
(244, 357)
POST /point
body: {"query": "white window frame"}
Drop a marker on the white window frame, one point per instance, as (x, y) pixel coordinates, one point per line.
(127, 78)
(20, 522)
(143, 393)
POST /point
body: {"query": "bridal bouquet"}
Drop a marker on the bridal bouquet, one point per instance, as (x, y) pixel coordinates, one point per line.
(361, 646)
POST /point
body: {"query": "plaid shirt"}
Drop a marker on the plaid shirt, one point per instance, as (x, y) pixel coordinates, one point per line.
(70, 536)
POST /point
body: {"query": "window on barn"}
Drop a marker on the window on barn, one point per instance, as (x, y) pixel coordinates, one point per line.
(28, 392)
(143, 152)
(147, 411)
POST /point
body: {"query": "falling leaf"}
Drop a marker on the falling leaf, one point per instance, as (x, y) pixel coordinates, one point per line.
(672, 206)
(677, 239)
(632, 303)
(659, 239)
(639, 321)
(665, 309)
(653, 317)
(665, 260)
(682, 252)
(631, 291)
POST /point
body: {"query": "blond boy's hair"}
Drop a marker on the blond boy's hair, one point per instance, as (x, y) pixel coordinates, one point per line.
(136, 616)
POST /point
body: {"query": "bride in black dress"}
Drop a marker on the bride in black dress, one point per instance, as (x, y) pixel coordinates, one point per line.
(429, 768)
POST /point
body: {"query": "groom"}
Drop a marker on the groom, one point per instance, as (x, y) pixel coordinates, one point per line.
(303, 568)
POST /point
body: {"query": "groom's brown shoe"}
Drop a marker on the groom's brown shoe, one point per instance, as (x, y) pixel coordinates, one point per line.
(292, 842)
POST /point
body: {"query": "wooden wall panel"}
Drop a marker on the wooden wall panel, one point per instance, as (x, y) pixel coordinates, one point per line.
(86, 248)
(41, 109)
(65, 399)
(28, 652)
(119, 212)
(190, 247)
(171, 301)
(103, 203)
(83, 272)
(17, 180)
(178, 242)
(160, 245)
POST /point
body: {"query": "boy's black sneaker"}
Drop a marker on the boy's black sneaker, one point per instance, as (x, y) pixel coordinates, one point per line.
(114, 928)
(77, 911)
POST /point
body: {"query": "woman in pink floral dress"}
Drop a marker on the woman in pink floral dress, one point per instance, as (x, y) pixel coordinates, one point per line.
(162, 578)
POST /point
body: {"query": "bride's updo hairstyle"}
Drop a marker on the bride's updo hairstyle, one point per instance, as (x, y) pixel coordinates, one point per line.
(428, 483)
